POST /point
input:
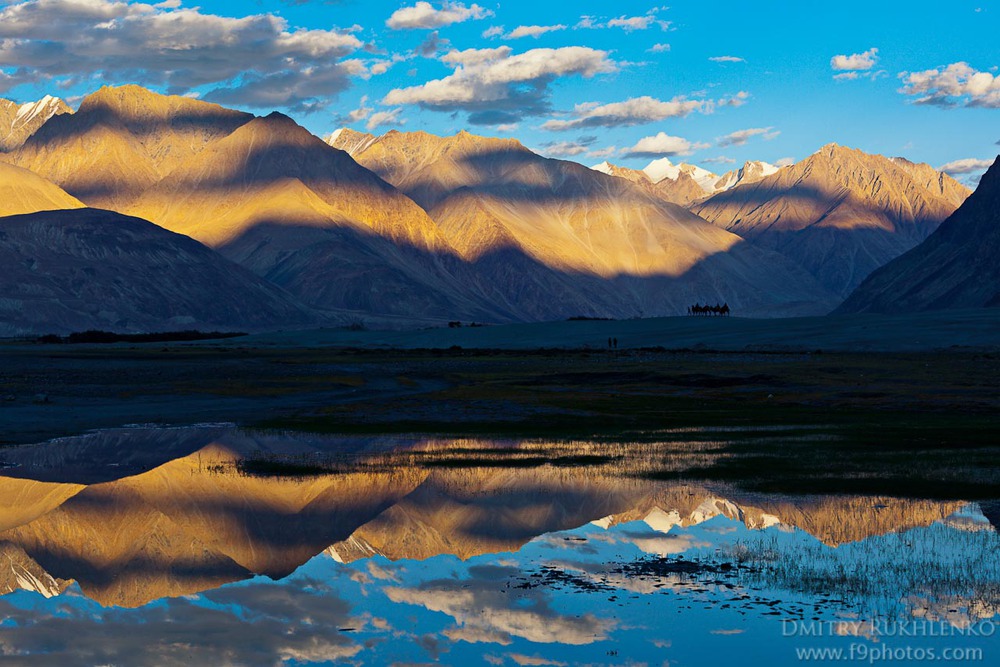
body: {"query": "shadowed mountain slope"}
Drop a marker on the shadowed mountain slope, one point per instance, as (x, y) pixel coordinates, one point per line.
(840, 213)
(553, 238)
(91, 269)
(955, 267)
(278, 200)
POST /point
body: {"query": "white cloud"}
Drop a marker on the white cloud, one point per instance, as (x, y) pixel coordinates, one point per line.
(257, 60)
(602, 153)
(497, 87)
(361, 113)
(965, 166)
(957, 84)
(633, 111)
(535, 31)
(855, 61)
(564, 149)
(626, 23)
(630, 23)
(737, 100)
(381, 118)
(727, 59)
(493, 31)
(784, 162)
(424, 16)
(719, 160)
(662, 145)
(740, 137)
(658, 48)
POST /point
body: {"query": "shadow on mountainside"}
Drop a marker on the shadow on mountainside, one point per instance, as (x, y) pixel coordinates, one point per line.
(346, 268)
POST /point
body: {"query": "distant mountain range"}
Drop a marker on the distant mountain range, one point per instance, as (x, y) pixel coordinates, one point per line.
(410, 227)
(840, 213)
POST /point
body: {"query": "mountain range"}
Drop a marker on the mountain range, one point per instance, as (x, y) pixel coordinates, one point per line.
(410, 227)
(956, 267)
(840, 213)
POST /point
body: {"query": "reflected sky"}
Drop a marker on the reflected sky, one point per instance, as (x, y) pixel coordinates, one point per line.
(185, 557)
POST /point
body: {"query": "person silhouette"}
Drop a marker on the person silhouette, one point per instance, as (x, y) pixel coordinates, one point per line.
(616, 343)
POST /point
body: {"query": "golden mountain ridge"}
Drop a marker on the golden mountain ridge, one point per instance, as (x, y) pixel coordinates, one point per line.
(121, 141)
(840, 213)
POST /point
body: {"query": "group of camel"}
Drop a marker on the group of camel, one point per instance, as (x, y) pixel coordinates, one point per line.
(698, 309)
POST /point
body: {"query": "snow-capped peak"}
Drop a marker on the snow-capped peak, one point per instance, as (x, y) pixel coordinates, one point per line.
(657, 170)
(44, 108)
(605, 167)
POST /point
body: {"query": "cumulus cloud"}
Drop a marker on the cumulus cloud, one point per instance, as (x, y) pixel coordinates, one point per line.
(740, 137)
(425, 16)
(784, 162)
(855, 61)
(634, 111)
(727, 59)
(965, 166)
(382, 118)
(535, 31)
(957, 84)
(255, 60)
(662, 145)
(496, 86)
(658, 48)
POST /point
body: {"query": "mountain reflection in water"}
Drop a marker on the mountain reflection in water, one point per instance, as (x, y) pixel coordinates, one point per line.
(216, 546)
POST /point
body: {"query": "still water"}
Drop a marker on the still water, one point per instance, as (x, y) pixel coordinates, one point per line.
(215, 546)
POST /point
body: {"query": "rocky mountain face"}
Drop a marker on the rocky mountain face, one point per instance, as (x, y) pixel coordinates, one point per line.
(81, 269)
(750, 172)
(955, 267)
(20, 121)
(552, 239)
(840, 213)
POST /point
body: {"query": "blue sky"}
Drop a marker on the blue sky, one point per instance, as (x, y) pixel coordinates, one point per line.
(710, 83)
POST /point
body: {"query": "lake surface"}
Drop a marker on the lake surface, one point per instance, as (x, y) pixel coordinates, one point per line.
(215, 546)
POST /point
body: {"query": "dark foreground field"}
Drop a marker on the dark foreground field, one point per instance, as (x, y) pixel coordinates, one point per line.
(913, 423)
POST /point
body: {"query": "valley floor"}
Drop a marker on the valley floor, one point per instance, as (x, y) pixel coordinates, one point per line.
(667, 373)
